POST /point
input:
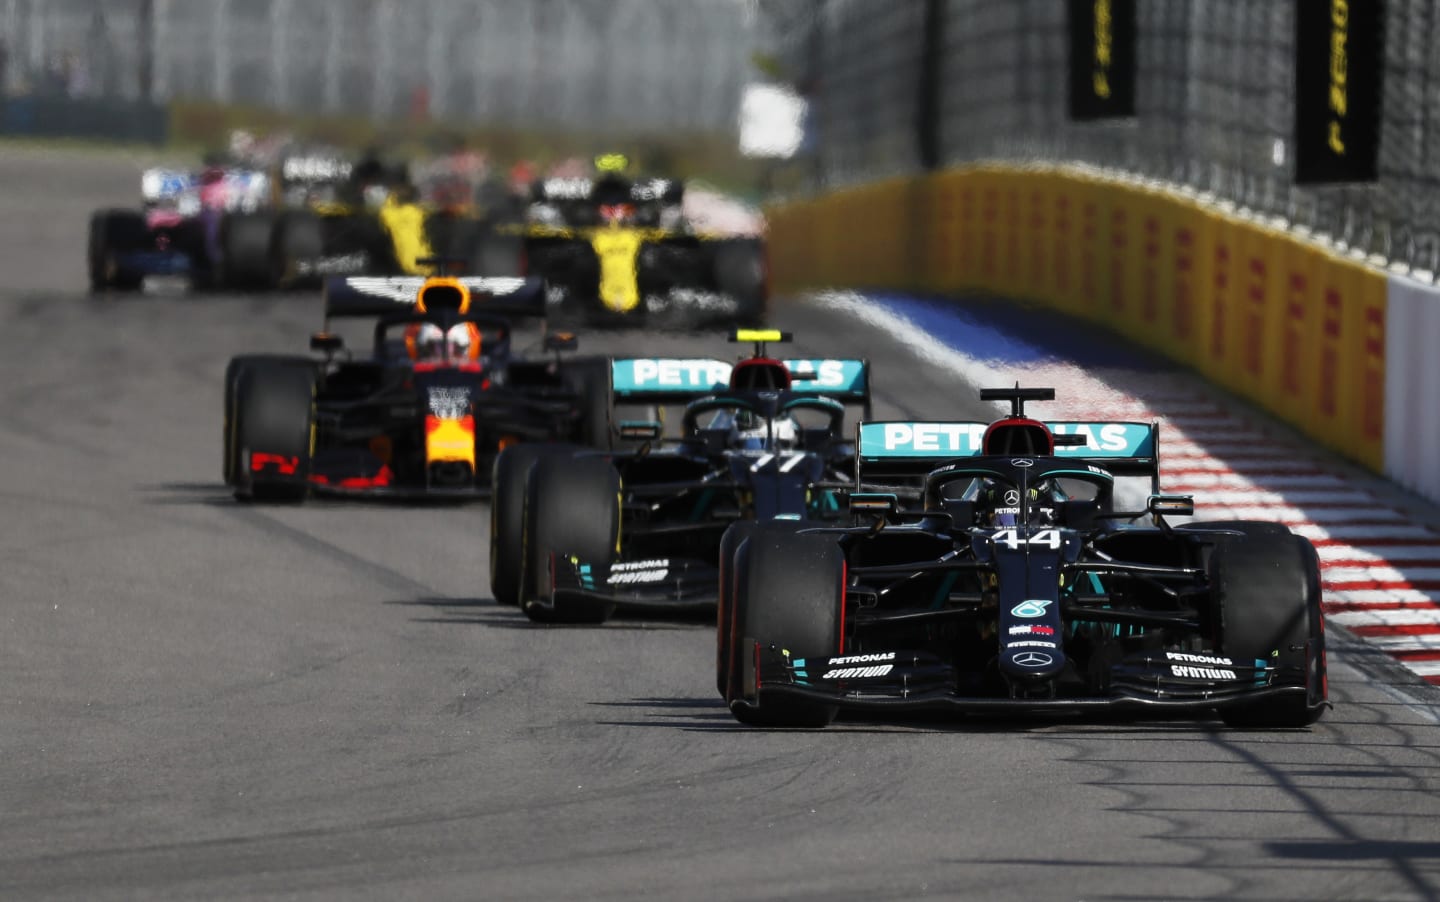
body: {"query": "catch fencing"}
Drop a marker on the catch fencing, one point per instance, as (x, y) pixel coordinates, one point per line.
(1214, 103)
(584, 65)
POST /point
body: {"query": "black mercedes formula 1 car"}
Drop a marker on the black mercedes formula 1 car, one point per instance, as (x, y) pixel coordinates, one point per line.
(1013, 583)
(577, 534)
(425, 412)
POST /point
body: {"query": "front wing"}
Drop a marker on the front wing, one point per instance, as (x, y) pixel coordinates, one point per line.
(919, 682)
(665, 586)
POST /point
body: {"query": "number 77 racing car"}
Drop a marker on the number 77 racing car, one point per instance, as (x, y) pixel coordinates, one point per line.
(579, 534)
(1013, 583)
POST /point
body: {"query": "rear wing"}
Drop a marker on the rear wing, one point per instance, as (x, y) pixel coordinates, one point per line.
(363, 296)
(911, 448)
(672, 380)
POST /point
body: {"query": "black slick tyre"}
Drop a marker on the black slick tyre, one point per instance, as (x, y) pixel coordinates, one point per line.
(245, 250)
(297, 238)
(237, 366)
(572, 507)
(789, 592)
(590, 380)
(272, 431)
(741, 272)
(1267, 589)
(114, 232)
(507, 509)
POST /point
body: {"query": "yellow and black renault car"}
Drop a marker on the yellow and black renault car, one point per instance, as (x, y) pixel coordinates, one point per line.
(612, 249)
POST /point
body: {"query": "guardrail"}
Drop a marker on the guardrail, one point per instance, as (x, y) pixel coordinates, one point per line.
(127, 121)
(1323, 339)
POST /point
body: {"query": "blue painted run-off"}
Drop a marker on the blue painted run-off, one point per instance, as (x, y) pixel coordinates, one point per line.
(1014, 333)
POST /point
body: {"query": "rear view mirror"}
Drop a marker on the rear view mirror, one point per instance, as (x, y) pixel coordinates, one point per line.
(327, 342)
(873, 503)
(561, 341)
(640, 430)
(1174, 505)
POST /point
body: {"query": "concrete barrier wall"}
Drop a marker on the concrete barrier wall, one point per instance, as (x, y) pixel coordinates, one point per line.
(1290, 324)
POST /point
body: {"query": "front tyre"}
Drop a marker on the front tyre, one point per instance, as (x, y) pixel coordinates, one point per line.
(789, 593)
(271, 432)
(1267, 584)
(507, 509)
(572, 508)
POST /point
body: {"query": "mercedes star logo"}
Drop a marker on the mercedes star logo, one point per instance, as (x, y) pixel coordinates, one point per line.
(1012, 497)
(1033, 659)
(1022, 462)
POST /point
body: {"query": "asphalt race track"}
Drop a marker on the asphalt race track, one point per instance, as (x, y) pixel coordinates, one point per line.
(202, 699)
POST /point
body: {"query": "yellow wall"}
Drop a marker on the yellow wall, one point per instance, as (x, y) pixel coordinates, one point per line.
(1286, 323)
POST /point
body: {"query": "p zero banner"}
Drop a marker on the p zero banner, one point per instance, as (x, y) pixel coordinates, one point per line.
(1102, 59)
(1339, 58)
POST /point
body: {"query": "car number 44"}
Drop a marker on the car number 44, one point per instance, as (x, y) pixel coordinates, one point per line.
(1011, 537)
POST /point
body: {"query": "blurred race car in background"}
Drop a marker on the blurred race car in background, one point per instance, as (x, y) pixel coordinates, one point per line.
(577, 534)
(207, 227)
(1019, 585)
(313, 214)
(617, 250)
(441, 392)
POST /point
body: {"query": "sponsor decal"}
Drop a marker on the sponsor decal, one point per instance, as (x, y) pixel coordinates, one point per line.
(936, 438)
(861, 659)
(449, 402)
(1012, 497)
(632, 573)
(1201, 673)
(963, 439)
(333, 266)
(1035, 629)
(1198, 659)
(1031, 608)
(1032, 659)
(1030, 642)
(670, 373)
(1022, 463)
(822, 374)
(851, 673)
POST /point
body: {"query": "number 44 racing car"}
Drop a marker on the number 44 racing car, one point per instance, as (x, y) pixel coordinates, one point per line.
(1016, 585)
(576, 535)
(426, 412)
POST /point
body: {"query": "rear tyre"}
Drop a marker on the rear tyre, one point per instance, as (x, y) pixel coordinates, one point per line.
(114, 232)
(1267, 587)
(507, 511)
(572, 507)
(590, 380)
(789, 592)
(274, 413)
(298, 237)
(245, 240)
(742, 273)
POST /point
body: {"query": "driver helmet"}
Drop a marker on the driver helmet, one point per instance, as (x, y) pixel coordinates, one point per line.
(749, 432)
(427, 342)
(1000, 505)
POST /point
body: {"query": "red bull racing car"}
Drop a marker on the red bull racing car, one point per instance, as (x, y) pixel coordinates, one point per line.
(424, 413)
(1011, 581)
